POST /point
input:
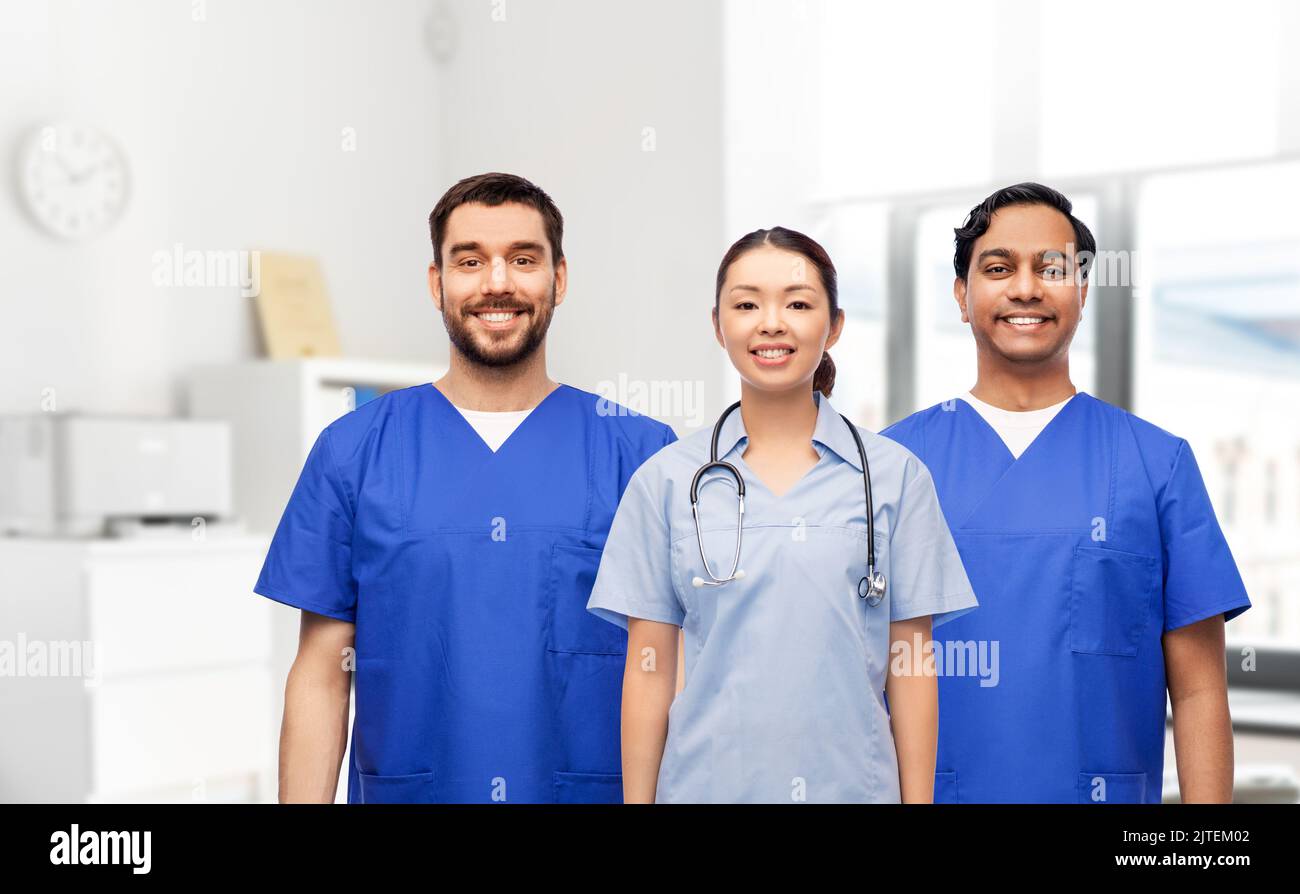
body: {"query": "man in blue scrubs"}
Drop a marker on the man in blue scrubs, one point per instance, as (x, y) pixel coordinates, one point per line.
(1088, 537)
(450, 533)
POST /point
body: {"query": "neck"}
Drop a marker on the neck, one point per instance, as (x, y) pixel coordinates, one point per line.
(494, 389)
(1023, 388)
(778, 417)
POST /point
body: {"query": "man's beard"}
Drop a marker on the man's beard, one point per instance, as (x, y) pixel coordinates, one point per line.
(462, 338)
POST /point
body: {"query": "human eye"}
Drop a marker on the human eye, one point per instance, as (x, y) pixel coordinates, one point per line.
(469, 262)
(800, 305)
(526, 260)
(997, 269)
(1054, 272)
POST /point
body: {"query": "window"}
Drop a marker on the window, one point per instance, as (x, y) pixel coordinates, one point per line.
(1144, 85)
(1217, 361)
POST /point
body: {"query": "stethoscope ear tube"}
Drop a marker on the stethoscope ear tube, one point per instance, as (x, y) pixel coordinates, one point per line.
(871, 507)
(735, 573)
(710, 466)
(871, 588)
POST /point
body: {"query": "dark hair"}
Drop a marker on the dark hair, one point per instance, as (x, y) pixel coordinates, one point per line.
(790, 240)
(496, 189)
(977, 223)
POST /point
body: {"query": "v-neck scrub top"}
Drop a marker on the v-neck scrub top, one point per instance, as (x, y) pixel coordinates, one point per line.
(1084, 552)
(479, 674)
(785, 668)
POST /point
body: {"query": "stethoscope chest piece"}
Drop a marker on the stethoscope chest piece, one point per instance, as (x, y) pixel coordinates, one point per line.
(872, 587)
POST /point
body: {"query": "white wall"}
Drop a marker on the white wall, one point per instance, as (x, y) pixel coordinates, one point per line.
(233, 131)
(560, 92)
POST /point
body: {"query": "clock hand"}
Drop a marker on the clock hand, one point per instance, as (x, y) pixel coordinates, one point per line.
(59, 159)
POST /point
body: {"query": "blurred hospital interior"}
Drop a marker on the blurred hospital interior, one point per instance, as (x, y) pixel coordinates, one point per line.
(214, 154)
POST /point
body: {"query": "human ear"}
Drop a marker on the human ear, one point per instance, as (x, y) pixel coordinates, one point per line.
(435, 285)
(959, 293)
(837, 329)
(561, 279)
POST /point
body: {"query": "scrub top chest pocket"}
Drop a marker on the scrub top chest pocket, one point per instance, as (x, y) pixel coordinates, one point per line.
(571, 627)
(1111, 595)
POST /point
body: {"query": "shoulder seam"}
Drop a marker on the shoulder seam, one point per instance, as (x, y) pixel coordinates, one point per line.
(1180, 445)
(343, 482)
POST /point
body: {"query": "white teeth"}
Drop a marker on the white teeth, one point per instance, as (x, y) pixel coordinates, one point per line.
(498, 317)
(1025, 321)
(774, 353)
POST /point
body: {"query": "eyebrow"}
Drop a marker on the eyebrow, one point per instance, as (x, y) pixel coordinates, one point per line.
(794, 287)
(518, 245)
(1010, 255)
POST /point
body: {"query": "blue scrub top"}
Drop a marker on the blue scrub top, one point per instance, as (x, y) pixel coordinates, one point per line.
(1084, 552)
(785, 668)
(479, 676)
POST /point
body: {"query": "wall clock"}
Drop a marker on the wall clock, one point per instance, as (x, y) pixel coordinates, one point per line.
(73, 178)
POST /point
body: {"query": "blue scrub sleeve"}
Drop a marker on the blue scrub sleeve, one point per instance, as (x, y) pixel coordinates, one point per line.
(309, 564)
(669, 437)
(1201, 578)
(635, 575)
(926, 576)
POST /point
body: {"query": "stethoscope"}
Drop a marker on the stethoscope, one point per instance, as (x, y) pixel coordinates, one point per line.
(870, 588)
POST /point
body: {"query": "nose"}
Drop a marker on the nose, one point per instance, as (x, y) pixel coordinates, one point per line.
(772, 322)
(498, 280)
(1025, 285)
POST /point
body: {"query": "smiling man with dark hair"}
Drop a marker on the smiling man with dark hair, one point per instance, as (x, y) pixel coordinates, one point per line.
(1088, 537)
(451, 533)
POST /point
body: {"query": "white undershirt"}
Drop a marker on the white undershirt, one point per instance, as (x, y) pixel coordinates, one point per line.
(1016, 428)
(494, 428)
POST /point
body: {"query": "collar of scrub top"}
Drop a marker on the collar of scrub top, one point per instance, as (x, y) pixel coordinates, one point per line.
(829, 432)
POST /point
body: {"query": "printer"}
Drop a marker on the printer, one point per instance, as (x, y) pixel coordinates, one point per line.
(74, 475)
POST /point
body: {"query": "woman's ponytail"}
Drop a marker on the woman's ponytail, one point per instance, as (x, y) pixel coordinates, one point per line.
(824, 377)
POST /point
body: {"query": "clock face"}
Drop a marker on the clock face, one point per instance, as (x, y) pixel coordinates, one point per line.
(74, 180)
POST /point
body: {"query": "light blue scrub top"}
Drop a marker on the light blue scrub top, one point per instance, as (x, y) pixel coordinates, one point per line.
(785, 668)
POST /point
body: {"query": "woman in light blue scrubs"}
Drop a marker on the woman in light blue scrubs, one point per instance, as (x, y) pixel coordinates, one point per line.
(784, 698)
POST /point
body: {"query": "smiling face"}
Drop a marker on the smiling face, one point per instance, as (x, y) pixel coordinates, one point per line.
(495, 283)
(773, 319)
(1020, 295)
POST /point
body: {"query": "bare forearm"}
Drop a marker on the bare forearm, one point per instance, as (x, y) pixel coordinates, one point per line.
(914, 718)
(913, 695)
(646, 700)
(313, 736)
(1203, 747)
(649, 686)
(1198, 691)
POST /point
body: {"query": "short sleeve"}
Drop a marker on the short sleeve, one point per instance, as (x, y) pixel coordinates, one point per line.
(635, 575)
(926, 573)
(309, 564)
(1200, 576)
